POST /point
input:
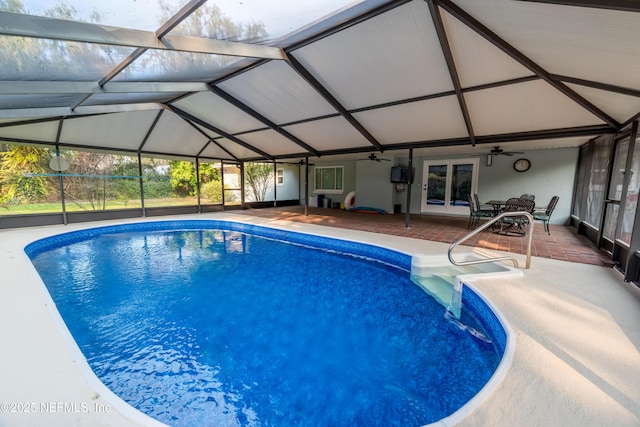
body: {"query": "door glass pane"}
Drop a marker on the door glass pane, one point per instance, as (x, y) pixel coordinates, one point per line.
(436, 185)
(461, 177)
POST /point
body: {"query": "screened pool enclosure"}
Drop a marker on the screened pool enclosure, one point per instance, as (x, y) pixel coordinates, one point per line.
(126, 109)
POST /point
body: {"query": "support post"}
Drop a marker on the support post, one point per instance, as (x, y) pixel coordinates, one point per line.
(306, 186)
(242, 202)
(407, 215)
(64, 207)
(222, 182)
(140, 179)
(275, 184)
(198, 184)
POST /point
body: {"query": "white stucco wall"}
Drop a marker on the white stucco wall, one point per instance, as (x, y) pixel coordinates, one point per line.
(552, 173)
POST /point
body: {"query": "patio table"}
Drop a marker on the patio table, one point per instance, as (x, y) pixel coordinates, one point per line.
(497, 205)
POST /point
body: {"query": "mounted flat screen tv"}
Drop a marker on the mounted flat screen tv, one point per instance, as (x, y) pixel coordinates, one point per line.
(401, 175)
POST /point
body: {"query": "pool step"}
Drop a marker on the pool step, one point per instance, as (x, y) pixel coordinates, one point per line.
(442, 280)
(440, 287)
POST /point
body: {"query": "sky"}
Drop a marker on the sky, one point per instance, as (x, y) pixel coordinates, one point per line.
(280, 17)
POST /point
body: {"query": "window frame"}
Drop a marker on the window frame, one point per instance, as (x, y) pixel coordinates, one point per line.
(335, 190)
(279, 177)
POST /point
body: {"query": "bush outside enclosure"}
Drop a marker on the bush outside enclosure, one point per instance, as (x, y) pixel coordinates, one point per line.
(97, 181)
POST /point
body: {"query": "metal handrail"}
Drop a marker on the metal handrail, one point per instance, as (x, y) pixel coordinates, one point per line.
(486, 225)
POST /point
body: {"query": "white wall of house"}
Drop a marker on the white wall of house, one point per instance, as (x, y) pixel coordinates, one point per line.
(369, 179)
(349, 183)
(373, 186)
(552, 173)
(288, 190)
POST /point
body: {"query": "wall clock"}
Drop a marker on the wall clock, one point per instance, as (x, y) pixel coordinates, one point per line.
(522, 165)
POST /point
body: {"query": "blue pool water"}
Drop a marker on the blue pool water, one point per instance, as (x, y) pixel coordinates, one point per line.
(201, 323)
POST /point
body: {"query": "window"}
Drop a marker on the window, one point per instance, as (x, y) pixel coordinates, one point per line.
(280, 177)
(329, 179)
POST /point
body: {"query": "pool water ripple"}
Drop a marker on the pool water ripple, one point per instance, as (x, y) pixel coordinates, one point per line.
(217, 327)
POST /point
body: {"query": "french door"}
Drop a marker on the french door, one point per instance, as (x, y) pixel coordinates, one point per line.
(447, 185)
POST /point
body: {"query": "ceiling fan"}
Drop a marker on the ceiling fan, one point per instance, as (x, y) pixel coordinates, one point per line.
(500, 152)
(497, 151)
(298, 163)
(375, 158)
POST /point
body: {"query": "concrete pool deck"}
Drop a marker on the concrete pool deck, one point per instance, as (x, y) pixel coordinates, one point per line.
(576, 362)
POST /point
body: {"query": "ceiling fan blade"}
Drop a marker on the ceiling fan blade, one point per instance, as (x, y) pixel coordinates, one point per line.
(300, 163)
(497, 151)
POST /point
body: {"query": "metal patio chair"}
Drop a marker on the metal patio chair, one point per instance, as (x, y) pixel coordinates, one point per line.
(516, 225)
(545, 215)
(481, 206)
(475, 214)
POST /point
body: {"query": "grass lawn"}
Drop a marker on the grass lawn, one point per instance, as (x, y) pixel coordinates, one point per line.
(56, 207)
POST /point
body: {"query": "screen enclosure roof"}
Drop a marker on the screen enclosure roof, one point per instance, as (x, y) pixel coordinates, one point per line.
(283, 80)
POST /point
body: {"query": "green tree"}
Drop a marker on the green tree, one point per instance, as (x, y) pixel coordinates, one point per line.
(16, 183)
(210, 183)
(209, 172)
(87, 189)
(258, 178)
(183, 178)
(156, 178)
(208, 21)
(25, 58)
(125, 189)
(13, 6)
(212, 191)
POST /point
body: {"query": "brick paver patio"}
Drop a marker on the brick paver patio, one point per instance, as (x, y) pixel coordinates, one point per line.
(563, 243)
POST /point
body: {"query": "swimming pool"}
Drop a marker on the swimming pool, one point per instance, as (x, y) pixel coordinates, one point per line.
(166, 331)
